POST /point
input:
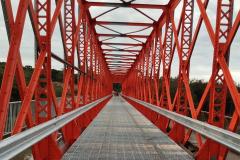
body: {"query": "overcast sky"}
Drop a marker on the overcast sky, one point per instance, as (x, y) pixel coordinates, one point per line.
(201, 62)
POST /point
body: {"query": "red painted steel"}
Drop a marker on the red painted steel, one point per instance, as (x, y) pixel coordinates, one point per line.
(94, 74)
(143, 67)
(183, 38)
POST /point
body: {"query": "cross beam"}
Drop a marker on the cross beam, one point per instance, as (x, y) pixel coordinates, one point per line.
(147, 6)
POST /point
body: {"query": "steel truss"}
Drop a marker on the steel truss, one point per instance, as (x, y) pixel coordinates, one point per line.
(144, 85)
(91, 77)
(144, 72)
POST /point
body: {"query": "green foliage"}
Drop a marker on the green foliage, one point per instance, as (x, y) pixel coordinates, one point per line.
(57, 76)
(173, 87)
(28, 70)
(117, 87)
(58, 90)
(197, 87)
(2, 65)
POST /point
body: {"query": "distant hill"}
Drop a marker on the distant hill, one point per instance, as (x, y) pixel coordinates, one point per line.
(57, 77)
(197, 87)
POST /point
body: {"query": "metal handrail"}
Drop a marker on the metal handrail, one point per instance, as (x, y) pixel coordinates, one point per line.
(13, 110)
(222, 136)
(14, 145)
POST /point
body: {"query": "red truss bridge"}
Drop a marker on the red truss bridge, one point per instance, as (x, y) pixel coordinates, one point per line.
(113, 79)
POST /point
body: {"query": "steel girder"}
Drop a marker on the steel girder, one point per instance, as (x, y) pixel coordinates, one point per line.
(81, 85)
(97, 69)
(148, 85)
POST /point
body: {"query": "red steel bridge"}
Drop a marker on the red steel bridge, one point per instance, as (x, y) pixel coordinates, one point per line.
(135, 52)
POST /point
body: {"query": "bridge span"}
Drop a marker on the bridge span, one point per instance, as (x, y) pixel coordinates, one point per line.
(121, 132)
(173, 63)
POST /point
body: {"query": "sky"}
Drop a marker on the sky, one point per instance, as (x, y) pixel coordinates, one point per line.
(201, 61)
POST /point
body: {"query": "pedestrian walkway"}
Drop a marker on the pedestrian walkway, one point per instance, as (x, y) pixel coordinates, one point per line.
(121, 132)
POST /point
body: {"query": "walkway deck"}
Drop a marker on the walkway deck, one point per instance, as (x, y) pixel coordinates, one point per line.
(121, 132)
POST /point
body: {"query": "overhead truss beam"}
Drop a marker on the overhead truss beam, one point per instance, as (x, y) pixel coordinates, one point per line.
(129, 5)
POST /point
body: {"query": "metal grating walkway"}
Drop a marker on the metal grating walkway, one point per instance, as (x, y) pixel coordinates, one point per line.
(121, 132)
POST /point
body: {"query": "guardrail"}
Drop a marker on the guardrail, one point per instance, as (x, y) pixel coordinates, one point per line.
(14, 108)
(224, 137)
(14, 145)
